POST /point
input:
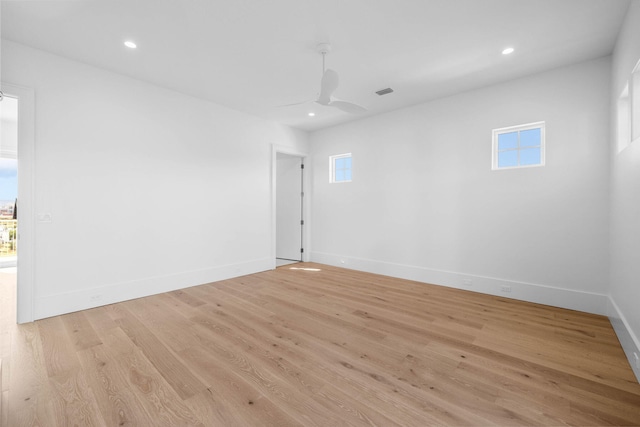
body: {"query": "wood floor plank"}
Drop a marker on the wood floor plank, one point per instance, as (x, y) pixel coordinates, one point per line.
(317, 345)
(118, 405)
(334, 351)
(185, 310)
(227, 412)
(232, 399)
(173, 370)
(288, 397)
(187, 298)
(4, 413)
(73, 401)
(287, 346)
(161, 401)
(560, 357)
(29, 396)
(59, 353)
(286, 364)
(99, 319)
(5, 356)
(80, 331)
(169, 326)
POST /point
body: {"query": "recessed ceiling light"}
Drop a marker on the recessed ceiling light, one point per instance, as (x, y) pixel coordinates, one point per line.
(508, 51)
(130, 44)
(312, 114)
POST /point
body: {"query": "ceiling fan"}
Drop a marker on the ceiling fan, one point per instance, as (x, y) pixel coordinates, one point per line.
(328, 85)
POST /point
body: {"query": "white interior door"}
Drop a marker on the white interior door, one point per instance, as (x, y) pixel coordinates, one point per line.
(289, 175)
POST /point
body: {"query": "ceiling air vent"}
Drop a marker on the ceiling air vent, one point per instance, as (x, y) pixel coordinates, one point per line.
(384, 91)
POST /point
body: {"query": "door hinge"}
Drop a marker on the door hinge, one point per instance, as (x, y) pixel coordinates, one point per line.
(301, 250)
(302, 222)
(302, 194)
(302, 166)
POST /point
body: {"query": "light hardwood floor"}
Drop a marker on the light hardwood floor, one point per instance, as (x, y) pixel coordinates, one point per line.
(309, 345)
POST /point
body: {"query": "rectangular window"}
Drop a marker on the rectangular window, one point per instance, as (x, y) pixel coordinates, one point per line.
(518, 146)
(340, 168)
(635, 103)
(623, 115)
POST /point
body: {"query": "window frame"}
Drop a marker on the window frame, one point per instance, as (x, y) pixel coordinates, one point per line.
(518, 128)
(332, 167)
(623, 119)
(634, 103)
(627, 111)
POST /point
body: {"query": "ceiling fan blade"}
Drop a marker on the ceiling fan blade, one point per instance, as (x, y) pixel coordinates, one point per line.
(328, 85)
(348, 107)
(294, 104)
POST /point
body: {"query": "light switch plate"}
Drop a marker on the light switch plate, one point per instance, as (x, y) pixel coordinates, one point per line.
(44, 217)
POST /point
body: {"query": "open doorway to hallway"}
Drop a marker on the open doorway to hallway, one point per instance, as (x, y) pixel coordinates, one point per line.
(289, 209)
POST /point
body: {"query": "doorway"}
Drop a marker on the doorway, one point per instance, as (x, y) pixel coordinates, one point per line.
(8, 181)
(17, 144)
(8, 208)
(289, 209)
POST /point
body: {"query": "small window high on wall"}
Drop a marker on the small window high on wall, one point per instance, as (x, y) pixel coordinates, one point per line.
(628, 111)
(340, 168)
(518, 146)
(623, 113)
(635, 102)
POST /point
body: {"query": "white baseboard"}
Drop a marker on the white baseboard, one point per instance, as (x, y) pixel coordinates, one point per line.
(54, 305)
(629, 341)
(542, 294)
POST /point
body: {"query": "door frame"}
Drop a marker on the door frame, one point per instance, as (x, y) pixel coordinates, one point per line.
(26, 178)
(306, 202)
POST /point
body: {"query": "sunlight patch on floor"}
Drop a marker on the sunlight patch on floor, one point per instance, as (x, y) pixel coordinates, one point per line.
(304, 268)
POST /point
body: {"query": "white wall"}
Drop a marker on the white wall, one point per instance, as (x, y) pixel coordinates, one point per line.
(625, 201)
(422, 180)
(149, 189)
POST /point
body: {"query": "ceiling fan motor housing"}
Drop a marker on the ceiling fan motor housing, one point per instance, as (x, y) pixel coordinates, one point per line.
(323, 48)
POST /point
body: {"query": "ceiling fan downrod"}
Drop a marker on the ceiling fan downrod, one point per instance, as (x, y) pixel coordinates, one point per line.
(324, 49)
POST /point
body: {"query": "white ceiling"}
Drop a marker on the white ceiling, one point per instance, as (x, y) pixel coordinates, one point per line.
(254, 55)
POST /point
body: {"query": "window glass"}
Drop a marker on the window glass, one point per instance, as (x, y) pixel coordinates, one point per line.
(530, 137)
(530, 156)
(340, 168)
(518, 146)
(508, 159)
(508, 140)
(635, 103)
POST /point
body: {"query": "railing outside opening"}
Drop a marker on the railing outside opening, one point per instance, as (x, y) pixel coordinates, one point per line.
(8, 237)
